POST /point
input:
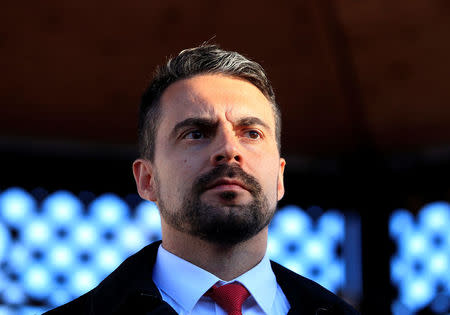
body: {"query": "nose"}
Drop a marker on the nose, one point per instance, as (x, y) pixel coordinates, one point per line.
(227, 149)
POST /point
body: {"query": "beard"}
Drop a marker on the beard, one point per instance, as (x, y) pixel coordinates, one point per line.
(220, 224)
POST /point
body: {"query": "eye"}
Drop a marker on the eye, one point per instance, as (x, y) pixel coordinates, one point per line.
(195, 135)
(253, 134)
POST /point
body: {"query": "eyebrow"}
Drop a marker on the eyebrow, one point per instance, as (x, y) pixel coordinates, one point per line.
(251, 121)
(211, 124)
(197, 122)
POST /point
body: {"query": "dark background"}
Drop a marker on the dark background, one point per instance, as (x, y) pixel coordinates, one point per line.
(363, 86)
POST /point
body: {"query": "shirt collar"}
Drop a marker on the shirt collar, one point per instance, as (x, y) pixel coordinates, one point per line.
(184, 282)
(260, 281)
(187, 289)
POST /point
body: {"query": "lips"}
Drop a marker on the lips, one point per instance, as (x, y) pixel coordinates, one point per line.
(226, 183)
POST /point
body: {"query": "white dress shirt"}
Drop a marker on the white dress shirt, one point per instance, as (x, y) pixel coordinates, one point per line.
(183, 284)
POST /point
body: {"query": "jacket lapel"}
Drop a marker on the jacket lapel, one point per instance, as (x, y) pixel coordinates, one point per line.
(130, 289)
(303, 295)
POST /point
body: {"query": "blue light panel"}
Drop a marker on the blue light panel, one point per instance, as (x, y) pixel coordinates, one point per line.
(308, 247)
(62, 249)
(421, 267)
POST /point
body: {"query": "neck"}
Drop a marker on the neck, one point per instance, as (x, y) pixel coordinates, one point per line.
(224, 261)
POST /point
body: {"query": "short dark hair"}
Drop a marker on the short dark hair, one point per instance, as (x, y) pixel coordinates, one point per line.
(205, 59)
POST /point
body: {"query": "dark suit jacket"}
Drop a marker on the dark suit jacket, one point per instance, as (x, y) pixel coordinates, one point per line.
(129, 290)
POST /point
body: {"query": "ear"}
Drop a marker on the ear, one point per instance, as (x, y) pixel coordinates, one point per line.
(143, 175)
(280, 186)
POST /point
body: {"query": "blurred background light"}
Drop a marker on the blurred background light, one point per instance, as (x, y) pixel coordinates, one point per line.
(61, 257)
(85, 234)
(435, 216)
(37, 232)
(106, 259)
(332, 224)
(291, 222)
(4, 241)
(17, 206)
(131, 238)
(62, 207)
(317, 249)
(439, 264)
(82, 280)
(19, 258)
(60, 296)
(296, 243)
(14, 295)
(420, 268)
(416, 244)
(147, 216)
(62, 251)
(400, 223)
(37, 281)
(417, 293)
(109, 210)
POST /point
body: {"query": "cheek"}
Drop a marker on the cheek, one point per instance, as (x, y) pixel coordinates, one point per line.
(179, 174)
(268, 172)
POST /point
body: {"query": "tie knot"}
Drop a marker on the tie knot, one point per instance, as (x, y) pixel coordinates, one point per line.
(229, 296)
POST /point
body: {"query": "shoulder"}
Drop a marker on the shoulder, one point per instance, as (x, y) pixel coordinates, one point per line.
(307, 295)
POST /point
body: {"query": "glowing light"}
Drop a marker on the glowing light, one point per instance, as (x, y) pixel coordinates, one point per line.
(332, 224)
(19, 258)
(82, 280)
(314, 249)
(61, 257)
(398, 269)
(107, 259)
(435, 216)
(398, 308)
(14, 295)
(400, 222)
(291, 221)
(148, 216)
(439, 264)
(335, 272)
(37, 232)
(37, 281)
(31, 310)
(294, 244)
(273, 246)
(109, 210)
(418, 293)
(85, 234)
(59, 297)
(131, 238)
(422, 260)
(62, 207)
(4, 241)
(16, 206)
(416, 244)
(295, 266)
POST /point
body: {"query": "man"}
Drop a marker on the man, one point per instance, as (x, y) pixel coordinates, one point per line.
(209, 138)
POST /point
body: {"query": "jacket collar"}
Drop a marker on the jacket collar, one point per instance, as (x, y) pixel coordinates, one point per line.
(304, 295)
(130, 290)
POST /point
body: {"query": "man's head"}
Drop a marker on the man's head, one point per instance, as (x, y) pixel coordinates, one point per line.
(207, 59)
(213, 167)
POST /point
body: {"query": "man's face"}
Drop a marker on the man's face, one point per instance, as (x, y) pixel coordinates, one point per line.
(216, 173)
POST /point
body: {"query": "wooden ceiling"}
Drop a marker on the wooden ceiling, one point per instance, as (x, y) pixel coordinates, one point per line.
(348, 74)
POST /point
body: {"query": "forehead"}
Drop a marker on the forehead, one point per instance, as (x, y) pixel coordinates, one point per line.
(214, 96)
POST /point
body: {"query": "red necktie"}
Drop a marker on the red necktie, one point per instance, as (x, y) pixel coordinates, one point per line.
(230, 297)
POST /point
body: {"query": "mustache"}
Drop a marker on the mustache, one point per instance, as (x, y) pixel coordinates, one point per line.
(227, 170)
